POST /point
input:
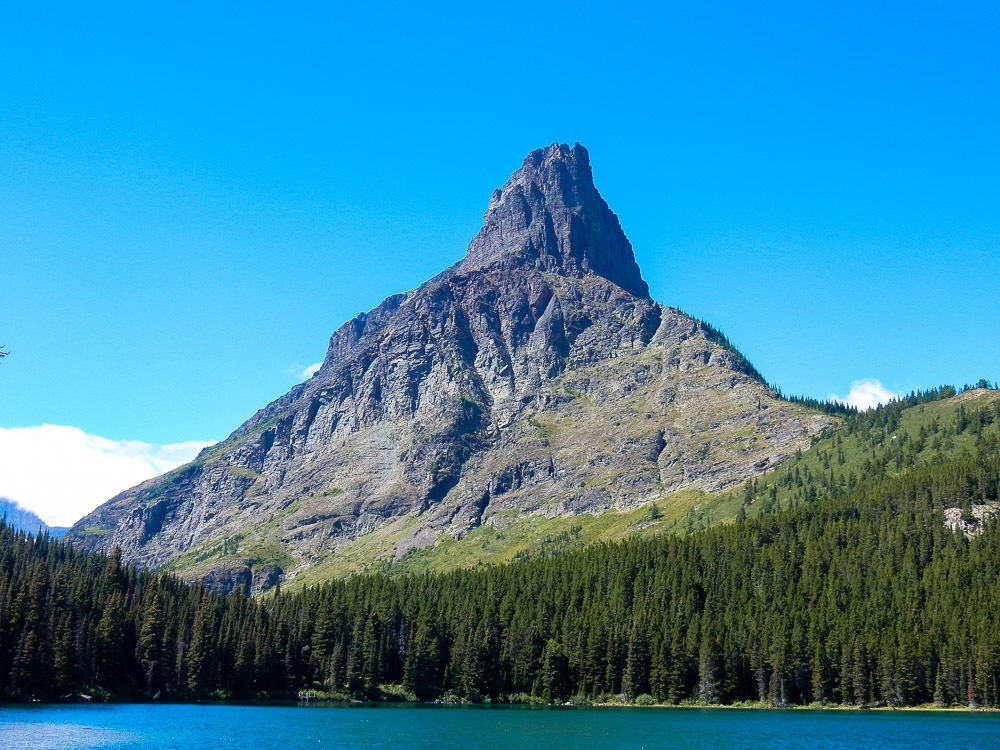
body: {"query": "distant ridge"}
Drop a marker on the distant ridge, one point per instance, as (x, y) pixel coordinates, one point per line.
(25, 520)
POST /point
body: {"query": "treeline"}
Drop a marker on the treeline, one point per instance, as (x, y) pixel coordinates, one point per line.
(827, 406)
(867, 598)
(838, 408)
(868, 445)
(74, 622)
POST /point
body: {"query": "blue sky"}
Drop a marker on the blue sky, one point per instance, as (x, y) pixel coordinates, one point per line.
(194, 198)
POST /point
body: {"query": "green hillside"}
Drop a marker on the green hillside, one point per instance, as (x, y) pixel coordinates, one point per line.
(867, 596)
(918, 430)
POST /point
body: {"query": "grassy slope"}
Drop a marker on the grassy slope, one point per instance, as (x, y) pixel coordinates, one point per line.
(851, 455)
(498, 543)
(848, 454)
(509, 539)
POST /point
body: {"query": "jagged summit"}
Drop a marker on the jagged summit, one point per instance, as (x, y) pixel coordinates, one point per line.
(551, 216)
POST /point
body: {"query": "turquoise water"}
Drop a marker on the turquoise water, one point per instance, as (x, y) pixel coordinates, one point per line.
(269, 728)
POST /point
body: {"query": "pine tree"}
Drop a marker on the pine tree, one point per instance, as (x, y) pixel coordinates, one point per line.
(636, 678)
(111, 643)
(200, 677)
(422, 672)
(552, 681)
(708, 670)
(151, 640)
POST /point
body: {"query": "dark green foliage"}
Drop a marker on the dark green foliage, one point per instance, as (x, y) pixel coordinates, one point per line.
(857, 595)
(876, 444)
(74, 622)
(827, 407)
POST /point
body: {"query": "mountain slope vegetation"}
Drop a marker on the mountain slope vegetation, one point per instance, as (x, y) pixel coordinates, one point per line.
(864, 595)
(919, 429)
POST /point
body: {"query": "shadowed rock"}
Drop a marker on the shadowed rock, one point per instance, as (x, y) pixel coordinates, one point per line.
(550, 216)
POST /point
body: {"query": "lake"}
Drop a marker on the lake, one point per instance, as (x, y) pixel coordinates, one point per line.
(272, 727)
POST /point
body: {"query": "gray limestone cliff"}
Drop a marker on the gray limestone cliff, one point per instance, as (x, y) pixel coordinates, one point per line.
(536, 376)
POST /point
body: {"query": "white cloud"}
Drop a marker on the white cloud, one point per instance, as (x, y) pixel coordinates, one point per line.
(300, 373)
(62, 473)
(866, 394)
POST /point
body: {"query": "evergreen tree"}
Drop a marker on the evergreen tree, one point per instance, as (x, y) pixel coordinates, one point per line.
(200, 656)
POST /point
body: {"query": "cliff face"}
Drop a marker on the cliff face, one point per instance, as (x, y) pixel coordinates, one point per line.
(550, 217)
(534, 377)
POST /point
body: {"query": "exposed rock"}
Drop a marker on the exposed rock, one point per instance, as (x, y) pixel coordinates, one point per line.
(973, 523)
(534, 376)
(550, 216)
(229, 575)
(264, 578)
(227, 578)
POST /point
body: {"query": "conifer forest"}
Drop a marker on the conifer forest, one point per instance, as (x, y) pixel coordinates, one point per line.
(837, 592)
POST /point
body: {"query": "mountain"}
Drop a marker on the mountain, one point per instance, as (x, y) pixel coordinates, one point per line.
(534, 379)
(25, 520)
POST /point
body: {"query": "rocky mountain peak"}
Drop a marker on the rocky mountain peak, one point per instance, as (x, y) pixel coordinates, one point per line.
(550, 215)
(533, 379)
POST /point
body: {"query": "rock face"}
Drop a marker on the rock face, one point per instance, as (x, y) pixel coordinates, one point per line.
(533, 377)
(973, 522)
(549, 216)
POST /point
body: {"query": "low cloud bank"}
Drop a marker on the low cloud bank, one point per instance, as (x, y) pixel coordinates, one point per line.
(61, 473)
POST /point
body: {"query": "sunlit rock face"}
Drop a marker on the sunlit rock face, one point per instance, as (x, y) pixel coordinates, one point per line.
(536, 376)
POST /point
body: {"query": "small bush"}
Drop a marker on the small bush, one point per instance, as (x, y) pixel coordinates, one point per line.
(396, 694)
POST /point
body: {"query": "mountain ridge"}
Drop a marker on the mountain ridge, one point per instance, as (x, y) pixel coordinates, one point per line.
(21, 518)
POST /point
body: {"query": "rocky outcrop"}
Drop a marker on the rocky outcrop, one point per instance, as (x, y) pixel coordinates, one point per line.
(534, 377)
(971, 522)
(234, 574)
(549, 216)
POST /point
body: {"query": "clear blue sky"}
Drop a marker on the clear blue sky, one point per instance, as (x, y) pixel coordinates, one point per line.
(194, 198)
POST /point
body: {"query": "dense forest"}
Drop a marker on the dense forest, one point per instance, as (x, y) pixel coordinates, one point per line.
(923, 428)
(850, 595)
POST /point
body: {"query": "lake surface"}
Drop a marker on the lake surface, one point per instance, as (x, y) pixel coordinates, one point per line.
(441, 728)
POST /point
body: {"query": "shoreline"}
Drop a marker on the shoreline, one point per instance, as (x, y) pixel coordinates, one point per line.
(807, 707)
(755, 706)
